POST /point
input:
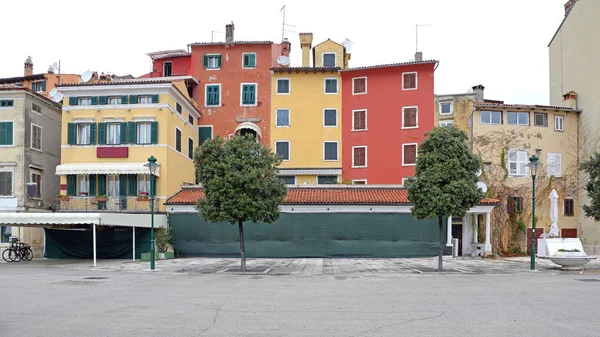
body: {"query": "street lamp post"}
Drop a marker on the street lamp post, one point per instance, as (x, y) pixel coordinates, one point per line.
(533, 166)
(152, 166)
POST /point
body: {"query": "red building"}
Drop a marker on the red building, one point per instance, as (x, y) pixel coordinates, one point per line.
(386, 111)
(234, 82)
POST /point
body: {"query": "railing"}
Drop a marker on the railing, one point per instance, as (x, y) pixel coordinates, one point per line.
(109, 204)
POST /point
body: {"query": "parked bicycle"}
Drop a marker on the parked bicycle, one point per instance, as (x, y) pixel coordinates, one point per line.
(18, 251)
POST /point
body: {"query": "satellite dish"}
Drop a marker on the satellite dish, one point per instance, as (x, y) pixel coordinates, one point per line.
(347, 44)
(55, 65)
(482, 186)
(479, 173)
(283, 60)
(58, 97)
(86, 76)
(53, 92)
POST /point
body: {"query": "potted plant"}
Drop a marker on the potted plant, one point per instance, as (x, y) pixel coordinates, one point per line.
(61, 197)
(163, 243)
(101, 197)
(143, 196)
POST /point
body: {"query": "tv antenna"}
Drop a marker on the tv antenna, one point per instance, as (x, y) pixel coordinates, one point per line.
(284, 25)
(212, 35)
(417, 34)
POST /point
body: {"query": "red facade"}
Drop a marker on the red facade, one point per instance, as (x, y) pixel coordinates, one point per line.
(385, 117)
(180, 66)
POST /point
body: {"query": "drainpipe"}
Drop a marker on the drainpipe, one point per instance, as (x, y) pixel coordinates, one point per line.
(471, 124)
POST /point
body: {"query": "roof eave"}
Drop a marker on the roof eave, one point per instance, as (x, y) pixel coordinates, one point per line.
(562, 22)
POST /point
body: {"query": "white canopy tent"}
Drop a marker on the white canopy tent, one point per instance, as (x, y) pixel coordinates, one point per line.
(104, 168)
(93, 219)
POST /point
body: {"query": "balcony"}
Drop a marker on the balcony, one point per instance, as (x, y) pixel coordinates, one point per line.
(110, 204)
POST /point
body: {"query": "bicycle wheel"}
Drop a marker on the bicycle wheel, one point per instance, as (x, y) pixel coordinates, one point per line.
(7, 256)
(17, 255)
(28, 254)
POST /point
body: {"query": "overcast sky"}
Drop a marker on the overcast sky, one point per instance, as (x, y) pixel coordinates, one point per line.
(500, 44)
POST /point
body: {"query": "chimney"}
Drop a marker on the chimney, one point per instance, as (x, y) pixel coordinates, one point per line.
(347, 61)
(570, 100)
(568, 5)
(419, 56)
(286, 47)
(478, 91)
(229, 28)
(28, 66)
(306, 43)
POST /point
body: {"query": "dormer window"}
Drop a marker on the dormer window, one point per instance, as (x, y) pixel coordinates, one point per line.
(167, 68)
(328, 59)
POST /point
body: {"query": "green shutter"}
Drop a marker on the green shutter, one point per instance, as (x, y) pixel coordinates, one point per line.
(216, 95)
(92, 133)
(154, 98)
(219, 64)
(124, 99)
(132, 132)
(9, 133)
(132, 185)
(205, 132)
(133, 99)
(71, 134)
(94, 100)
(123, 133)
(44, 86)
(71, 184)
(92, 185)
(154, 133)
(101, 133)
(102, 184)
(205, 61)
(123, 185)
(73, 100)
(103, 100)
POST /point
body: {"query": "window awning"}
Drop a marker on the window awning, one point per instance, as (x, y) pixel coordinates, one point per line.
(104, 168)
(104, 219)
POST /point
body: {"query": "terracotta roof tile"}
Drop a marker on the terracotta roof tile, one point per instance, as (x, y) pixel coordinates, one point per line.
(391, 65)
(305, 69)
(501, 104)
(228, 43)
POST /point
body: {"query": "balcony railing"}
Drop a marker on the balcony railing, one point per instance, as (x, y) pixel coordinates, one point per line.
(110, 204)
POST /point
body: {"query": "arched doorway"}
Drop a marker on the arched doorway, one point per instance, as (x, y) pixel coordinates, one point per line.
(248, 128)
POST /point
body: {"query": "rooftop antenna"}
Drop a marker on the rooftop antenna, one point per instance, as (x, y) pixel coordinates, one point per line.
(284, 25)
(212, 35)
(417, 35)
(347, 44)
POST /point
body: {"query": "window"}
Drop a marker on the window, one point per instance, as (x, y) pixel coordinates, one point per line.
(359, 120)
(569, 207)
(559, 123)
(178, 108)
(330, 151)
(144, 99)
(178, 140)
(490, 117)
(282, 148)
(289, 180)
(84, 101)
(38, 86)
(204, 133)
(326, 180)
(143, 183)
(212, 61)
(540, 119)
(409, 81)
(330, 117)
(191, 119)
(359, 156)
(113, 133)
(282, 117)
(190, 148)
(518, 118)
(6, 133)
(113, 185)
(446, 108)
(213, 95)
(83, 184)
(167, 68)
(328, 59)
(83, 134)
(6, 183)
(283, 85)
(36, 137)
(331, 86)
(248, 94)
(359, 85)
(409, 154)
(5, 103)
(410, 117)
(249, 60)
(36, 108)
(36, 177)
(359, 182)
(514, 205)
(447, 123)
(554, 165)
(5, 234)
(114, 100)
(516, 163)
(144, 132)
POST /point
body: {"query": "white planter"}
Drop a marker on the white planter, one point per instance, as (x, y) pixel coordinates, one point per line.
(569, 254)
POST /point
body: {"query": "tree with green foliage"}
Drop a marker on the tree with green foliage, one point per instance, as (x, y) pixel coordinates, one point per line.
(445, 179)
(240, 182)
(592, 168)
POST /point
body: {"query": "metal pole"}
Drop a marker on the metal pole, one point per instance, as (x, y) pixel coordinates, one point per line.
(94, 245)
(152, 192)
(533, 226)
(133, 255)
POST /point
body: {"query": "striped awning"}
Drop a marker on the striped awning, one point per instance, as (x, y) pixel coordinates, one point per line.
(104, 168)
(83, 218)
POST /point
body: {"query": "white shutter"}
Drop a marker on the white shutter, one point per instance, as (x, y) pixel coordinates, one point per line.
(522, 161)
(550, 164)
(557, 165)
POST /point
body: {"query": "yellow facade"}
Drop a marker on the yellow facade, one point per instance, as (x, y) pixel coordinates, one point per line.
(307, 131)
(330, 47)
(173, 111)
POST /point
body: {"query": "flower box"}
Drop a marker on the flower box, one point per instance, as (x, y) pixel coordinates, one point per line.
(62, 198)
(100, 199)
(143, 198)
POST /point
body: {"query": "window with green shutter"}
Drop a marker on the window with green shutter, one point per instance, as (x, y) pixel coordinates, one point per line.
(124, 99)
(212, 61)
(154, 98)
(132, 185)
(6, 133)
(6, 183)
(94, 100)
(204, 133)
(249, 60)
(154, 133)
(123, 133)
(101, 133)
(71, 134)
(249, 94)
(92, 133)
(73, 100)
(123, 185)
(132, 132)
(133, 99)
(103, 100)
(213, 94)
(190, 148)
(102, 184)
(71, 184)
(92, 180)
(6, 103)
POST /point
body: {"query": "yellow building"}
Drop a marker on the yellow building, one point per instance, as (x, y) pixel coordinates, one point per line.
(109, 132)
(306, 112)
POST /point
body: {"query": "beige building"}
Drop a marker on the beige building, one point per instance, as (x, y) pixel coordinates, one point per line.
(455, 109)
(575, 73)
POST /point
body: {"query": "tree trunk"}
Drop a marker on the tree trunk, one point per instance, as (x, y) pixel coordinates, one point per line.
(242, 247)
(441, 251)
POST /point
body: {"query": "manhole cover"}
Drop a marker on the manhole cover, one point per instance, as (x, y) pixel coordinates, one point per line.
(95, 278)
(588, 280)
